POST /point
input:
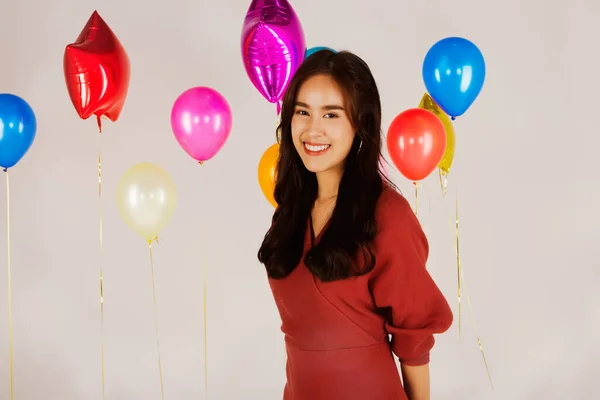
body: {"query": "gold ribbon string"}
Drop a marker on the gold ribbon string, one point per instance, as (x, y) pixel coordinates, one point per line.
(10, 319)
(461, 281)
(444, 186)
(205, 319)
(459, 273)
(203, 239)
(416, 197)
(443, 181)
(101, 247)
(418, 185)
(162, 389)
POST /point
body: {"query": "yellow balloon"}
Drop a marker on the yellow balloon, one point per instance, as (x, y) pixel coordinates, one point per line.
(146, 198)
(267, 172)
(429, 104)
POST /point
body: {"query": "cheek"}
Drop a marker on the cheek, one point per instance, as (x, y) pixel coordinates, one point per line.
(297, 129)
(344, 139)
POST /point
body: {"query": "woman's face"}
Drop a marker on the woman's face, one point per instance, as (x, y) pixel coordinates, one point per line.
(321, 128)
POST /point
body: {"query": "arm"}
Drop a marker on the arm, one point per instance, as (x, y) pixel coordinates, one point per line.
(416, 381)
(402, 288)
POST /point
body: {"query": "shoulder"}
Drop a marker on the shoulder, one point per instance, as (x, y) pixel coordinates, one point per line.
(391, 199)
(393, 209)
(397, 224)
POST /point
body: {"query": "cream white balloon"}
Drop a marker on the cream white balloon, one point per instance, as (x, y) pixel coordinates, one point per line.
(146, 198)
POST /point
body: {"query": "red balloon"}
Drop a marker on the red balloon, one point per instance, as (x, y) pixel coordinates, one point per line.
(416, 142)
(97, 71)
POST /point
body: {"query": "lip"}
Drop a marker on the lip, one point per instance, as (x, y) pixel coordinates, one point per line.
(315, 152)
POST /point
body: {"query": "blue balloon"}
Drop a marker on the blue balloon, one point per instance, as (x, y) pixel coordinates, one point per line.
(454, 72)
(313, 50)
(18, 126)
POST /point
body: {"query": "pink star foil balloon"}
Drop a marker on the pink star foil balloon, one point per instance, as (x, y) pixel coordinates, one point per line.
(273, 46)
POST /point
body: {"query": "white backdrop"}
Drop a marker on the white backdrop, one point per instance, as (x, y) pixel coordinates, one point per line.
(525, 171)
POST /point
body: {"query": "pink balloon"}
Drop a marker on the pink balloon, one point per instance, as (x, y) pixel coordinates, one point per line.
(273, 46)
(201, 121)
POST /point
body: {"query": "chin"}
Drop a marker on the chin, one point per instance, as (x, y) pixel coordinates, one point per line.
(318, 166)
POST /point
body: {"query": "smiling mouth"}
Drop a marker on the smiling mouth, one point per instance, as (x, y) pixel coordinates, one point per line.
(316, 149)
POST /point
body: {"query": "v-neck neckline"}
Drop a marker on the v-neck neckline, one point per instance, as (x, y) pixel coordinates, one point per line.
(314, 239)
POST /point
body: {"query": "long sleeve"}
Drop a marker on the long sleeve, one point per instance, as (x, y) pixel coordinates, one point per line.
(402, 287)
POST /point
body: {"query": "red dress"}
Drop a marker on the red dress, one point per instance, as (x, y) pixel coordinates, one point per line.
(336, 333)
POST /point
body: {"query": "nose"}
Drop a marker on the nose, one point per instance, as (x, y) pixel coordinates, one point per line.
(315, 129)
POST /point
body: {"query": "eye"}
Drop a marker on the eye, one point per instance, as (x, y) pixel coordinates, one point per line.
(331, 115)
(301, 112)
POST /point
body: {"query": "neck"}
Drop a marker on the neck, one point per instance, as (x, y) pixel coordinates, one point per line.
(329, 183)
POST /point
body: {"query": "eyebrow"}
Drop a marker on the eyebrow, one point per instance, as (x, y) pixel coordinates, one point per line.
(327, 107)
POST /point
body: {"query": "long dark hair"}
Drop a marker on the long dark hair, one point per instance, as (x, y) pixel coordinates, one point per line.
(352, 226)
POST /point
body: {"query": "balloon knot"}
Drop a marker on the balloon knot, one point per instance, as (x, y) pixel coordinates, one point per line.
(99, 122)
(201, 162)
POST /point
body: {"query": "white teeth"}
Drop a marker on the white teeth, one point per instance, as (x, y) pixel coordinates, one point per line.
(316, 148)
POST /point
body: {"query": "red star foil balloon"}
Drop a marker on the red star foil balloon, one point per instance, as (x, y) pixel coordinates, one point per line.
(97, 71)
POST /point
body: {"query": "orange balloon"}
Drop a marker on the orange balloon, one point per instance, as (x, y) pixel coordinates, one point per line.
(267, 172)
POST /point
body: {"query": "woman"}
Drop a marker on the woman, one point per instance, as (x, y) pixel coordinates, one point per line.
(345, 254)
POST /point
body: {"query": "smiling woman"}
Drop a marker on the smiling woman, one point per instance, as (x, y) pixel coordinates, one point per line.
(345, 254)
